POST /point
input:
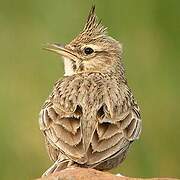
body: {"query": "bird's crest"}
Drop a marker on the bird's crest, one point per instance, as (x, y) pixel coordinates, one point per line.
(93, 28)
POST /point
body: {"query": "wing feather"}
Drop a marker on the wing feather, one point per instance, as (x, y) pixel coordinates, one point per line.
(102, 145)
(101, 156)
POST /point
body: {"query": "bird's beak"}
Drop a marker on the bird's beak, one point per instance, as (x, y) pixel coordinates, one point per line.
(62, 50)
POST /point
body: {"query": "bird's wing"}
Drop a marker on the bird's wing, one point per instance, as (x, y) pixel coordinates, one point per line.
(119, 123)
(60, 122)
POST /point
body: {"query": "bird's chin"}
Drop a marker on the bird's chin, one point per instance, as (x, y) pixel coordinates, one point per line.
(69, 66)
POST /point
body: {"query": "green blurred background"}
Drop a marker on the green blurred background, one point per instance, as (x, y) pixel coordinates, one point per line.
(150, 33)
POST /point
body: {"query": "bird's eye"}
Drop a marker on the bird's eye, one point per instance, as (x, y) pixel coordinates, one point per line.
(88, 50)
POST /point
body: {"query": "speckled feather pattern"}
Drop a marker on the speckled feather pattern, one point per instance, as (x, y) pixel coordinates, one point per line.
(91, 117)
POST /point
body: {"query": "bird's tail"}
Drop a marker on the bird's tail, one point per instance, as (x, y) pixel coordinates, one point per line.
(58, 166)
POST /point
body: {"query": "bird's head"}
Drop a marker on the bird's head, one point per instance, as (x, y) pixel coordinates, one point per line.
(91, 51)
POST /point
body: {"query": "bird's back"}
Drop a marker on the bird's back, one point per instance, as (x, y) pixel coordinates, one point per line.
(90, 119)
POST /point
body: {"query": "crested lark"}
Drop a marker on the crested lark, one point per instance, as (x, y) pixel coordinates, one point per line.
(91, 117)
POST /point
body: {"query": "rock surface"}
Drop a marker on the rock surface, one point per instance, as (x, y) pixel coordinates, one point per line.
(90, 174)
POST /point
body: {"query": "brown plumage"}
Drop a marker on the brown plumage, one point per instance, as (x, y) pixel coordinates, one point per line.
(91, 117)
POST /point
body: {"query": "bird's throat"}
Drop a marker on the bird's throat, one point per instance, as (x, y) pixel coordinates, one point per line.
(68, 67)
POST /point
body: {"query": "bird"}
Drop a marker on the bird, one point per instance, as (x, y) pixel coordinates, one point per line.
(91, 117)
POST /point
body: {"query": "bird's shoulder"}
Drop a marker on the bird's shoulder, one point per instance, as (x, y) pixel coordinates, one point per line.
(82, 86)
